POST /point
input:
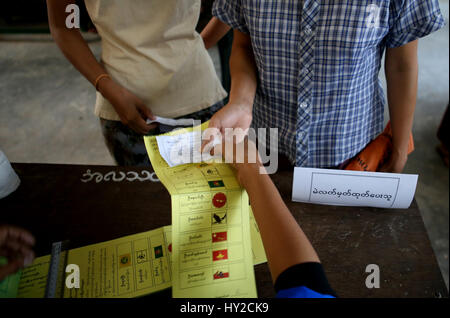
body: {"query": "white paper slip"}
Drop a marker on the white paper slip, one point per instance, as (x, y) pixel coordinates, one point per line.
(354, 188)
(172, 122)
(182, 148)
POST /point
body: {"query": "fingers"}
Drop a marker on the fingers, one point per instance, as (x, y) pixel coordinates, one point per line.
(134, 114)
(18, 257)
(140, 126)
(13, 233)
(391, 166)
(210, 132)
(145, 111)
(12, 249)
(20, 234)
(16, 245)
(11, 268)
(236, 153)
(14, 264)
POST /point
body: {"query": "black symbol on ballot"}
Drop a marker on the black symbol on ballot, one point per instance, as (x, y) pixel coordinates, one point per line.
(218, 219)
(141, 256)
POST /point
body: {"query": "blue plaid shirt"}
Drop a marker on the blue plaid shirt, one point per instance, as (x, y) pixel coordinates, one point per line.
(318, 64)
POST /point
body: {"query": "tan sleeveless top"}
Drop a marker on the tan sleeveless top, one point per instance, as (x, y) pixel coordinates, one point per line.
(151, 48)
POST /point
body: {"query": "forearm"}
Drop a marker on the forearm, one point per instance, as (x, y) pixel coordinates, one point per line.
(71, 42)
(401, 77)
(243, 71)
(213, 32)
(79, 54)
(284, 241)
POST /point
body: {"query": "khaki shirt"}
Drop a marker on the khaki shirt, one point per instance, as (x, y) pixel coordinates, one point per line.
(151, 48)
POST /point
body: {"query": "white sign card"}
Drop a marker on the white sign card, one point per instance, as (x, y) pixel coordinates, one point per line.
(353, 188)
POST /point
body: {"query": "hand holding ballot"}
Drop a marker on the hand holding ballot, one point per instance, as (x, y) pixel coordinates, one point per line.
(242, 156)
(131, 109)
(16, 246)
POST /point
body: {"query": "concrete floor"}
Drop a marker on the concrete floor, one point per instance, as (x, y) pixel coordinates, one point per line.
(46, 116)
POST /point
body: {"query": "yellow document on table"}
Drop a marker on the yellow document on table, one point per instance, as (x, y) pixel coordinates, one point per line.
(102, 268)
(33, 279)
(130, 266)
(211, 250)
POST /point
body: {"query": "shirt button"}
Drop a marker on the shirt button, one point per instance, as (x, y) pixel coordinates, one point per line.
(308, 30)
(303, 105)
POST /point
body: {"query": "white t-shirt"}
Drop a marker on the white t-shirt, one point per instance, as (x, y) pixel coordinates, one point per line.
(151, 48)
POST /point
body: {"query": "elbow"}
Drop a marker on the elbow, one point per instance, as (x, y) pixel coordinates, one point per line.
(62, 35)
(57, 32)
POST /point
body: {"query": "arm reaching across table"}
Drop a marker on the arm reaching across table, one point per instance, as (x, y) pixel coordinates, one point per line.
(294, 265)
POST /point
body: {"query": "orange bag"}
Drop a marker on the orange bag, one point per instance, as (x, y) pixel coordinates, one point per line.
(376, 152)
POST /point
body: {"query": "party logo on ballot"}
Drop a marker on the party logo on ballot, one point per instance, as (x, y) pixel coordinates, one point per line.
(220, 255)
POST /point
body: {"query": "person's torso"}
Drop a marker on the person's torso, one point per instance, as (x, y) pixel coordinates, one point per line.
(318, 62)
(151, 48)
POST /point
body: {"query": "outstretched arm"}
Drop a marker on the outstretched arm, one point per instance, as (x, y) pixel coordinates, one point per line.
(284, 241)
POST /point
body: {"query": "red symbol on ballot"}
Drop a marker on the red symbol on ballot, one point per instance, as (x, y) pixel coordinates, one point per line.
(219, 275)
(219, 200)
(219, 237)
(220, 255)
(170, 248)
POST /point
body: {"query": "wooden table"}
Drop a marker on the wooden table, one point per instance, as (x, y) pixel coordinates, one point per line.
(55, 205)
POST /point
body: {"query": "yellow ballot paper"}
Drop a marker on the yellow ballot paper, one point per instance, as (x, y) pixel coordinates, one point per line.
(211, 244)
(259, 254)
(33, 279)
(105, 267)
(130, 266)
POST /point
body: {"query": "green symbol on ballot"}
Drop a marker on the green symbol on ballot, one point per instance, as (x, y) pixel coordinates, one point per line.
(216, 184)
(158, 252)
(124, 260)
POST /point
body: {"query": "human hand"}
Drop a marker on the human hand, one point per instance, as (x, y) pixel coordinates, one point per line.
(242, 156)
(234, 116)
(15, 245)
(130, 108)
(395, 162)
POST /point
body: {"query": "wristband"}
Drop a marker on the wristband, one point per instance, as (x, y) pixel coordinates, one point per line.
(97, 80)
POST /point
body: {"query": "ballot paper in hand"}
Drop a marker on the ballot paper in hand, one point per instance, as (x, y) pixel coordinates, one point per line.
(353, 188)
(183, 148)
(186, 122)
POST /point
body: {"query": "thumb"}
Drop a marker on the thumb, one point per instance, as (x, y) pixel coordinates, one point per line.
(214, 129)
